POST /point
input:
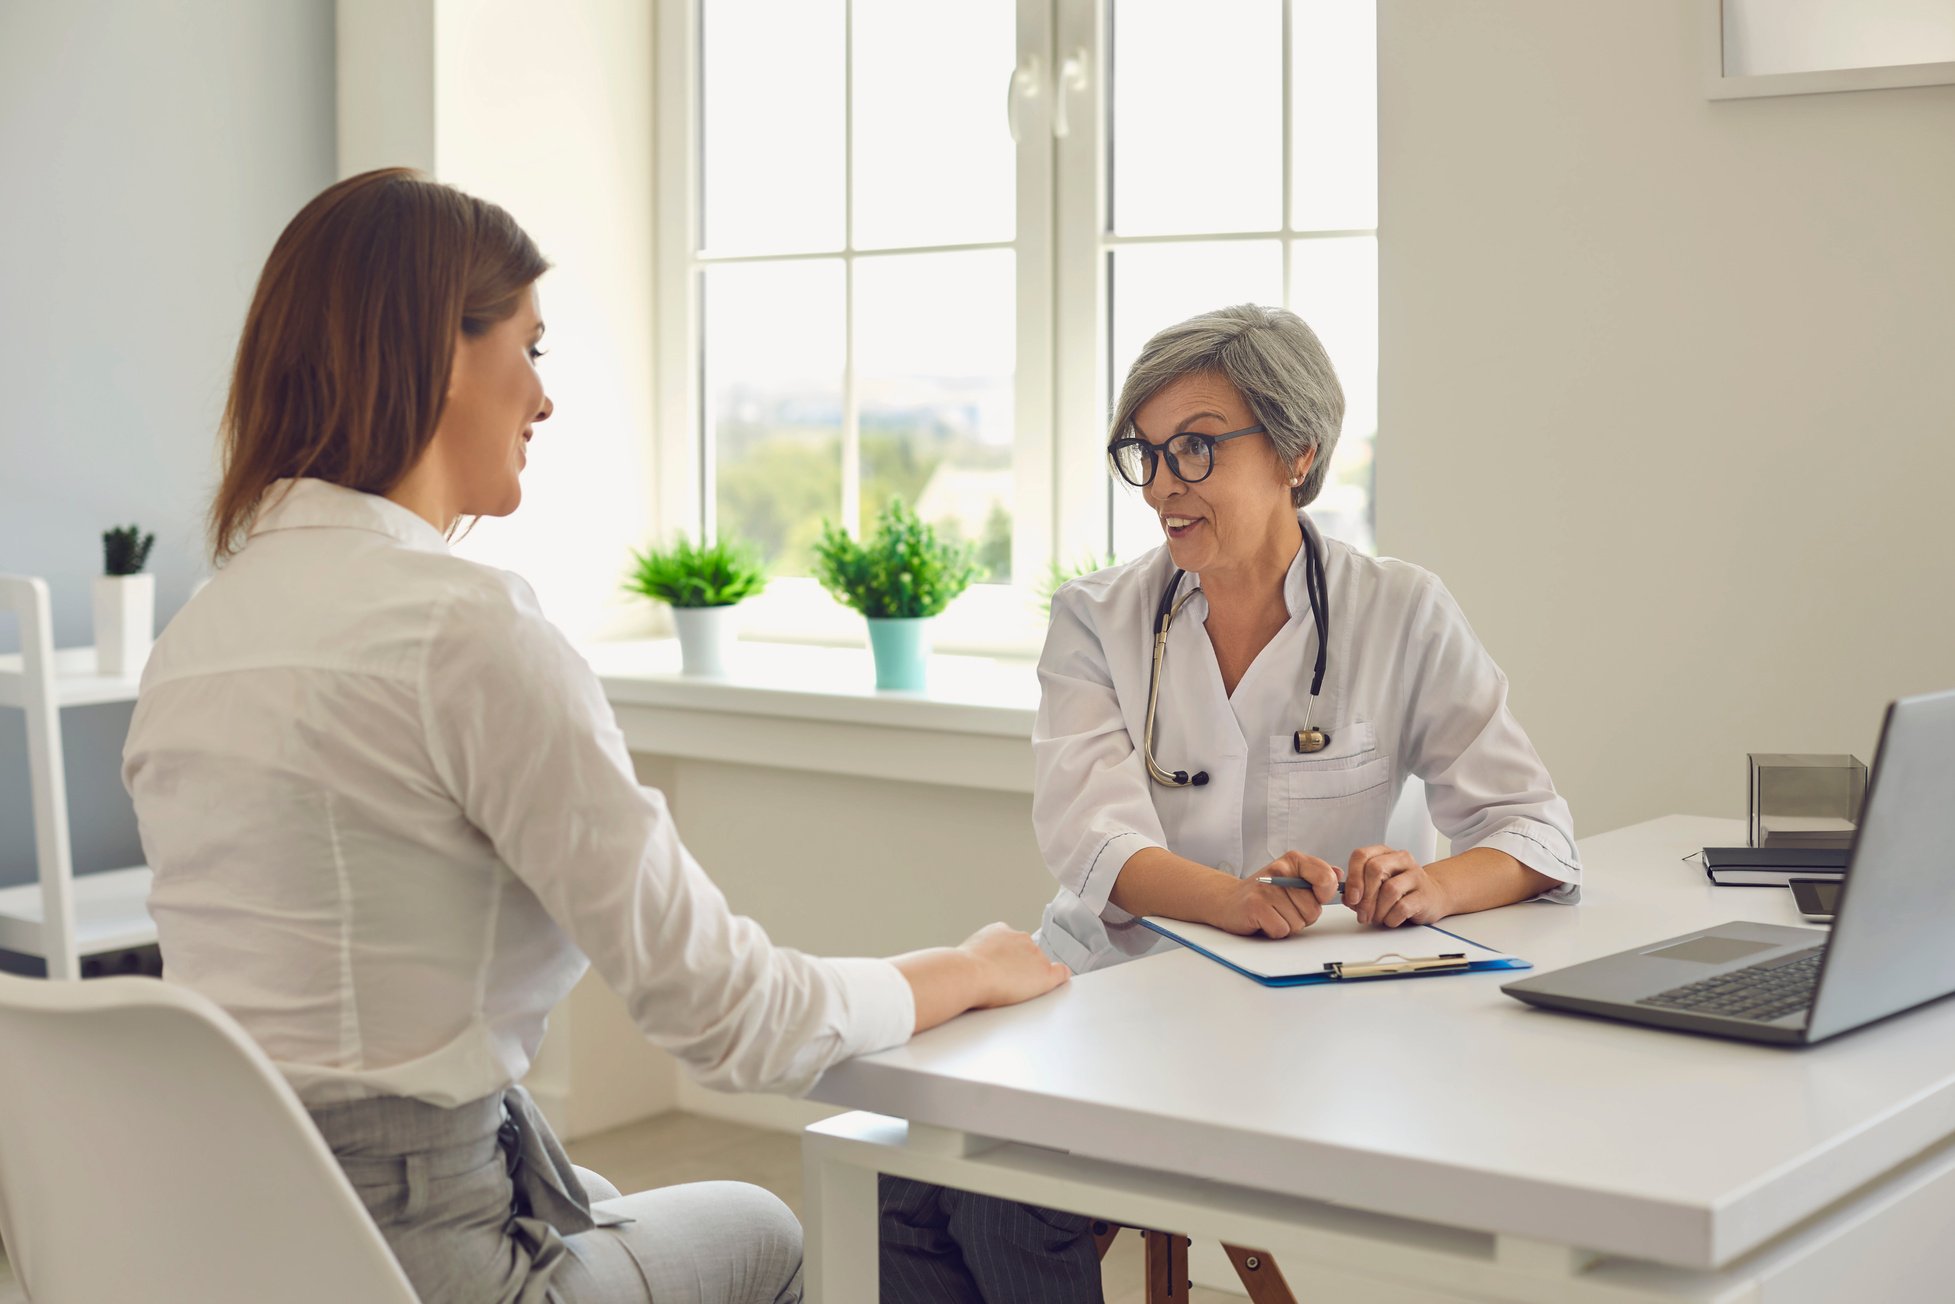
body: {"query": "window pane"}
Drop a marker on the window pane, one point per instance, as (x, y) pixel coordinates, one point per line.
(1334, 115)
(935, 350)
(1155, 286)
(771, 125)
(934, 161)
(1197, 124)
(773, 402)
(1334, 287)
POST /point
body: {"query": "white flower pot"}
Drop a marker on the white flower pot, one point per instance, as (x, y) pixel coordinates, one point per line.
(125, 622)
(705, 634)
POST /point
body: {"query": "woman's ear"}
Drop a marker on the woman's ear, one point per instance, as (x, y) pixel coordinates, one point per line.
(1302, 468)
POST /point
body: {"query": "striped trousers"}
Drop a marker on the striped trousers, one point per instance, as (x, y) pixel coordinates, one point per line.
(941, 1246)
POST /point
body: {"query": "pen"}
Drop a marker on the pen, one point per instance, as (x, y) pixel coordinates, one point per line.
(1275, 880)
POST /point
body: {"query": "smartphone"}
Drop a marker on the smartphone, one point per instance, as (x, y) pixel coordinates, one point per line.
(1818, 899)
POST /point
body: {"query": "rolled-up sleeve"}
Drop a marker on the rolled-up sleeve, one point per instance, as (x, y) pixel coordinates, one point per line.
(1091, 808)
(1485, 784)
(520, 732)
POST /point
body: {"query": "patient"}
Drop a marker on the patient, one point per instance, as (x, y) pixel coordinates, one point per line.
(391, 816)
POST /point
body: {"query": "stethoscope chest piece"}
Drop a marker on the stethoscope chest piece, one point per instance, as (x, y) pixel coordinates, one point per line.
(1311, 741)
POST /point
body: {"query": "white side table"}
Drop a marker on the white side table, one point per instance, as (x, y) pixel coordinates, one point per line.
(62, 918)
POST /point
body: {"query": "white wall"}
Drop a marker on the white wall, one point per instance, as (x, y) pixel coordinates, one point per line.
(149, 156)
(1667, 388)
(547, 111)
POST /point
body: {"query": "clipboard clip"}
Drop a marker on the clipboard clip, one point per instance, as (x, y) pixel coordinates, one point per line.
(1392, 963)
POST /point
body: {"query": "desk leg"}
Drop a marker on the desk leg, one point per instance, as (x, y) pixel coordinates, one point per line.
(840, 1211)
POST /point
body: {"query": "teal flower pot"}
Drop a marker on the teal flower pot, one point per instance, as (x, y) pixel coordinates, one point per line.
(902, 648)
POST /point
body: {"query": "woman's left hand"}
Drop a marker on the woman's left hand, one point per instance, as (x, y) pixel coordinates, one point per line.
(1389, 887)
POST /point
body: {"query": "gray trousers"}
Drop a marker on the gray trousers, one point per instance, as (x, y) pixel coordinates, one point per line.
(941, 1246)
(481, 1206)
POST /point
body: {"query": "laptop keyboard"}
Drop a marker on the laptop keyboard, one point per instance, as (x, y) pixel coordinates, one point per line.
(1759, 992)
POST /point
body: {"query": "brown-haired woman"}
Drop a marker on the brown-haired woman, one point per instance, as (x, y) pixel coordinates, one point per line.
(392, 819)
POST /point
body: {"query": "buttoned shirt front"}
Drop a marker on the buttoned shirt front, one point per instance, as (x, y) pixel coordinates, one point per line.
(1409, 691)
(390, 814)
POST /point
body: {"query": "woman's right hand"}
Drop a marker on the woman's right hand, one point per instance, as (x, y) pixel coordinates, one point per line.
(996, 965)
(1244, 906)
(1011, 966)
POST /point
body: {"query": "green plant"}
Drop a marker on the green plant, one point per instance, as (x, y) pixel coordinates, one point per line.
(692, 574)
(125, 550)
(905, 568)
(1057, 575)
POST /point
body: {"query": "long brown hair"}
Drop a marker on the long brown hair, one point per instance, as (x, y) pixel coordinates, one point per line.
(342, 369)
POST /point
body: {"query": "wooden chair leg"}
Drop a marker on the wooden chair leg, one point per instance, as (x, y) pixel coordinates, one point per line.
(1260, 1276)
(1103, 1234)
(1167, 1268)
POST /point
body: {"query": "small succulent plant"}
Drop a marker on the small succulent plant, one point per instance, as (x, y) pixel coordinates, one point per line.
(690, 574)
(125, 550)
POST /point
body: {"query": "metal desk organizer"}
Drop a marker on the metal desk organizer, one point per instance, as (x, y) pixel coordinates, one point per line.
(1801, 799)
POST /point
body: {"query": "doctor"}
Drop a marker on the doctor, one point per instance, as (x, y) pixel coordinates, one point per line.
(1300, 684)
(1297, 685)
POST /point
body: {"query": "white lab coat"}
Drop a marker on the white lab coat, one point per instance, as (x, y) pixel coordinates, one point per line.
(1408, 691)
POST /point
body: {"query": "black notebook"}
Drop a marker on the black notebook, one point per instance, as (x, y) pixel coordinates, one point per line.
(1772, 866)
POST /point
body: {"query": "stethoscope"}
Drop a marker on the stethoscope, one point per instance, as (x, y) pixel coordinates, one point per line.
(1307, 739)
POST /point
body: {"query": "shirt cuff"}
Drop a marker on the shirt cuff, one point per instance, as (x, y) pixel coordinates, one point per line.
(1542, 848)
(1096, 886)
(880, 1007)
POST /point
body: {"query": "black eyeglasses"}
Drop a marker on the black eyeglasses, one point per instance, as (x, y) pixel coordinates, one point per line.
(1191, 455)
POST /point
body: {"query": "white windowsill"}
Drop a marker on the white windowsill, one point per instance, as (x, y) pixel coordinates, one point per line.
(817, 709)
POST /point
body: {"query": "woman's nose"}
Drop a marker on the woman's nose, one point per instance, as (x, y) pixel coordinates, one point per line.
(543, 414)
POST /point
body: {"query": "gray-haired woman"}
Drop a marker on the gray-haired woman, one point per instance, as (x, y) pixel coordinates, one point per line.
(1301, 683)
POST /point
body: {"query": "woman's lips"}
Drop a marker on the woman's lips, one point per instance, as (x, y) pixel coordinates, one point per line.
(1180, 527)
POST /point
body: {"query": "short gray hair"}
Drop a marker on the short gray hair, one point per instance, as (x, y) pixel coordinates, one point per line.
(1275, 362)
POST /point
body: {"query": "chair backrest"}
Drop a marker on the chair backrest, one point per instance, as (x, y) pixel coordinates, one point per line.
(26, 596)
(150, 1151)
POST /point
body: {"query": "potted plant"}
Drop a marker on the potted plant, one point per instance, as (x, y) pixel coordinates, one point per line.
(702, 582)
(125, 602)
(898, 578)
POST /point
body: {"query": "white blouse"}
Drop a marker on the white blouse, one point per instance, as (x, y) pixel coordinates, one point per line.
(1408, 691)
(390, 814)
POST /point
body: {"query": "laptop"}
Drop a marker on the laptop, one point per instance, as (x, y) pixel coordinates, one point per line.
(1888, 950)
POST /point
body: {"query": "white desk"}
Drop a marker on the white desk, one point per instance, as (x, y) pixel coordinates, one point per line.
(1433, 1139)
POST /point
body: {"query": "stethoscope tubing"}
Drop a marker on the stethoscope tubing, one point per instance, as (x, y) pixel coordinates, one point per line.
(1164, 615)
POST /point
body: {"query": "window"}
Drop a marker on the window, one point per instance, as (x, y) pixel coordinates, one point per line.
(910, 249)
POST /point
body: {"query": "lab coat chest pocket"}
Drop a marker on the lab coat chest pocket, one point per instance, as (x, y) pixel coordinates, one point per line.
(1329, 803)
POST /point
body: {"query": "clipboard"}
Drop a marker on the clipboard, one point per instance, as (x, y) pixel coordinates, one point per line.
(1337, 949)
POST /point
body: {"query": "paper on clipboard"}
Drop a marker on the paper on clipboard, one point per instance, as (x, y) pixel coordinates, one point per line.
(1336, 938)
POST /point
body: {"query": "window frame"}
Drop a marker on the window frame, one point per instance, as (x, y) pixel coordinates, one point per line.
(1063, 505)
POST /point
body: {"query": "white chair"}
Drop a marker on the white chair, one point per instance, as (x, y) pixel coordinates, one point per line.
(150, 1151)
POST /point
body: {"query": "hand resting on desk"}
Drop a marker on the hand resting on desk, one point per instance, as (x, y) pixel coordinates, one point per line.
(997, 965)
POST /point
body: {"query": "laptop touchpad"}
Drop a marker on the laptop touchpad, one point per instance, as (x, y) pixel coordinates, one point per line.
(1711, 950)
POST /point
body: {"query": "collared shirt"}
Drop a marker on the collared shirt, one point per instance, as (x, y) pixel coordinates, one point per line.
(1408, 692)
(390, 814)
